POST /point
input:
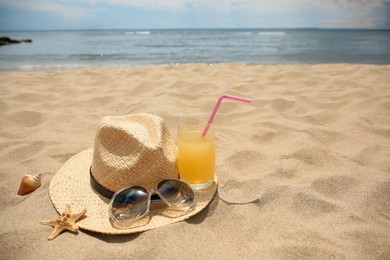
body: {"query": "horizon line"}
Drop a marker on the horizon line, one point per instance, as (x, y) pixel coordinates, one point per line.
(199, 28)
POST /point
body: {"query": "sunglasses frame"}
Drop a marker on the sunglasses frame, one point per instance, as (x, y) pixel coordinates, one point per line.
(150, 193)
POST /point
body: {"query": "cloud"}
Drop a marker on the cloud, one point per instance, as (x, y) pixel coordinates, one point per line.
(59, 8)
(82, 7)
(351, 4)
(321, 13)
(247, 5)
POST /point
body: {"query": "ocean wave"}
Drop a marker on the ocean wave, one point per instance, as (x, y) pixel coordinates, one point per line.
(266, 33)
(272, 33)
(138, 33)
(244, 33)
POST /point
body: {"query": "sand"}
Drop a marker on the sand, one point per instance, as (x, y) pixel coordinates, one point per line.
(312, 151)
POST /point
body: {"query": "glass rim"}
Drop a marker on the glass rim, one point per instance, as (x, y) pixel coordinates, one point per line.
(194, 122)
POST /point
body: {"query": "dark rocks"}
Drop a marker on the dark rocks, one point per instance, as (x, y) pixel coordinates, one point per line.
(6, 40)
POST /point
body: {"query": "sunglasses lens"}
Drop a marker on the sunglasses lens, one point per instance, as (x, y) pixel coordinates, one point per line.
(176, 194)
(128, 205)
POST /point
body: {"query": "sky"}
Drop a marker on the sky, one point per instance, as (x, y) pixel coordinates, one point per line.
(142, 14)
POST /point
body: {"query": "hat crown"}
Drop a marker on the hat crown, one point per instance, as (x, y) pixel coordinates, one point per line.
(134, 149)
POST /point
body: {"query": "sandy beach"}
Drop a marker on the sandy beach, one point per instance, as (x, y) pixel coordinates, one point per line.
(312, 150)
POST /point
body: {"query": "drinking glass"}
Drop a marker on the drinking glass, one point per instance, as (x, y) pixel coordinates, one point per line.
(196, 154)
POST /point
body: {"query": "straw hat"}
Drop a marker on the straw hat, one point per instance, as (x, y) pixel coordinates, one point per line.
(129, 150)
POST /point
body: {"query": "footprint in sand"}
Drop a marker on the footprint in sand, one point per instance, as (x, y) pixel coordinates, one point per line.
(3, 106)
(282, 105)
(286, 170)
(242, 178)
(312, 156)
(263, 137)
(334, 186)
(248, 162)
(306, 251)
(378, 202)
(24, 119)
(62, 157)
(310, 206)
(22, 152)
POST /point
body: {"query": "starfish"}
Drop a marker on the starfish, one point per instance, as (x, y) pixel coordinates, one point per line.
(67, 221)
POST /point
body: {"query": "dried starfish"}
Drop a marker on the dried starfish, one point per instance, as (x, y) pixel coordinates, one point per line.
(67, 221)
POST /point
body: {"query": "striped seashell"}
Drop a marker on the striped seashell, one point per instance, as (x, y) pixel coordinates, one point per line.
(29, 183)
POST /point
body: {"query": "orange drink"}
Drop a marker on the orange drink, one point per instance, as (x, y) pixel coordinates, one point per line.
(196, 154)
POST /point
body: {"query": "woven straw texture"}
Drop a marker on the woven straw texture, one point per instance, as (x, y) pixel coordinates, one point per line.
(134, 149)
(71, 185)
(129, 150)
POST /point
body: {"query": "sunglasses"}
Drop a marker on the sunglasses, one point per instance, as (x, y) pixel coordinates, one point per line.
(131, 204)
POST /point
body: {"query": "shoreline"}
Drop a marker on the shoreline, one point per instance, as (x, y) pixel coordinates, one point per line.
(77, 67)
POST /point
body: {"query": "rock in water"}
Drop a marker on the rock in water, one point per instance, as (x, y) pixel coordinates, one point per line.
(6, 40)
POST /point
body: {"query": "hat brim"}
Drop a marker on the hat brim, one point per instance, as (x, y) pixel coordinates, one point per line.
(71, 185)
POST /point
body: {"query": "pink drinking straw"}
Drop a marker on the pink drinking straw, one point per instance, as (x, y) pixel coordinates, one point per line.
(211, 119)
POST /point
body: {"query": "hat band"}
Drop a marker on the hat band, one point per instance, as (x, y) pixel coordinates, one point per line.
(100, 188)
(104, 191)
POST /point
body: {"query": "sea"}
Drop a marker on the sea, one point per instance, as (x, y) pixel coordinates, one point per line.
(130, 47)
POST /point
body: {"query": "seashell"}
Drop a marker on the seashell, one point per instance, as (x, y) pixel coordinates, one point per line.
(29, 184)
